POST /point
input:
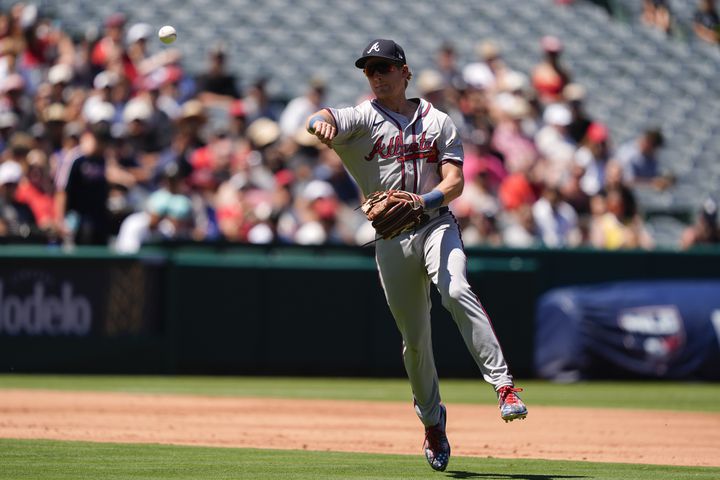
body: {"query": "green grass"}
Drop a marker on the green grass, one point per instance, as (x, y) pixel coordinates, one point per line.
(644, 395)
(51, 460)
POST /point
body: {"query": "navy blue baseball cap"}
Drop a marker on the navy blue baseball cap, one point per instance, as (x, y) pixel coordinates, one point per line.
(381, 48)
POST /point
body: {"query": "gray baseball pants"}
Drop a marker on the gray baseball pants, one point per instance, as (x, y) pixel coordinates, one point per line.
(407, 265)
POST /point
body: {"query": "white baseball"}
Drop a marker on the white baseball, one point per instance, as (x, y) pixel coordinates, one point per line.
(167, 34)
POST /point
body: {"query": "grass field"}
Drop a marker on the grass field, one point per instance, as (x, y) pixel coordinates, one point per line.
(50, 460)
(42, 459)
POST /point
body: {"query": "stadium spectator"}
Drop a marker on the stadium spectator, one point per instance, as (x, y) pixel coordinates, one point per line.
(614, 179)
(639, 161)
(135, 148)
(706, 22)
(592, 157)
(478, 207)
(237, 119)
(258, 103)
(521, 187)
(165, 87)
(555, 144)
(42, 44)
(431, 87)
(519, 229)
(8, 124)
(317, 207)
(109, 52)
(475, 111)
(180, 219)
(103, 85)
(19, 146)
(574, 95)
(15, 99)
(16, 217)
(446, 65)
(83, 69)
(192, 121)
(617, 224)
(36, 190)
(202, 188)
(168, 215)
(143, 226)
(59, 77)
(292, 119)
(480, 158)
(550, 76)
(556, 220)
(480, 228)
(705, 230)
(217, 86)
(656, 14)
(159, 122)
(137, 44)
(479, 197)
(490, 72)
(329, 167)
(509, 138)
(573, 194)
(83, 196)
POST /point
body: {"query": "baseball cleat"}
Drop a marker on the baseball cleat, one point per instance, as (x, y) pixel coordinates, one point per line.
(436, 446)
(511, 407)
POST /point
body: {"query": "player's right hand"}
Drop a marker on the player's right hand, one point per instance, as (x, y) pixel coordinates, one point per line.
(324, 131)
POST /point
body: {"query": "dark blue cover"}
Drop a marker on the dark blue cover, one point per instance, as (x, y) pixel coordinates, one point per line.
(658, 329)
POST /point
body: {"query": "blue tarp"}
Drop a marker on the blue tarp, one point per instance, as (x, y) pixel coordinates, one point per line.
(652, 329)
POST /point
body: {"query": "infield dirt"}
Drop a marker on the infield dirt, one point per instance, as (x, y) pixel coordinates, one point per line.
(602, 435)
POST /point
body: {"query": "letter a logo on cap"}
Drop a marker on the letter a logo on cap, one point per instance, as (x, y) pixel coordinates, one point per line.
(375, 47)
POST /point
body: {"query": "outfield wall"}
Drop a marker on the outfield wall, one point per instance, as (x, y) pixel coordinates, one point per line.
(263, 310)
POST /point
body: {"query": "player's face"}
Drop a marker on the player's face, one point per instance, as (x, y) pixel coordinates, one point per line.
(386, 79)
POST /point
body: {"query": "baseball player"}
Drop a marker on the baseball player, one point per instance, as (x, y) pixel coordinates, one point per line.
(392, 142)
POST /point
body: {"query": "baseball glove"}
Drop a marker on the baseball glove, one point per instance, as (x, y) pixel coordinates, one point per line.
(393, 212)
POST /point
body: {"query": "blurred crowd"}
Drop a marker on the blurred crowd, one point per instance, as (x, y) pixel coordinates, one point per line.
(103, 142)
(657, 14)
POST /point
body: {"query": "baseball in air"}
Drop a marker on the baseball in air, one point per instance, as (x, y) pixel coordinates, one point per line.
(167, 34)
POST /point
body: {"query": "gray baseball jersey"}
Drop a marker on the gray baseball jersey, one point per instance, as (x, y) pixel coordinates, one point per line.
(383, 150)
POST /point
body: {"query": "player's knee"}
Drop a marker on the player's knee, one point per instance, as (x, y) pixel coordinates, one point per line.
(416, 342)
(454, 292)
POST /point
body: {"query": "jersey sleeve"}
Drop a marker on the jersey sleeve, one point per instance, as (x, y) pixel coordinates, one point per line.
(449, 145)
(349, 121)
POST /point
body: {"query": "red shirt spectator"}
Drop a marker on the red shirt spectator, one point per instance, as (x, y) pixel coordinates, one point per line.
(516, 190)
(40, 202)
(111, 47)
(549, 77)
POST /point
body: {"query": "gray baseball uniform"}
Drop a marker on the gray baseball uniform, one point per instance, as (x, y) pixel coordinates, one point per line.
(382, 150)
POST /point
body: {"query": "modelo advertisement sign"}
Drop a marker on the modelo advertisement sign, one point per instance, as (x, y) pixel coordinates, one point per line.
(102, 300)
(657, 329)
(49, 308)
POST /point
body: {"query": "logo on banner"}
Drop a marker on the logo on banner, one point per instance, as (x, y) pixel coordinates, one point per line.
(42, 312)
(657, 330)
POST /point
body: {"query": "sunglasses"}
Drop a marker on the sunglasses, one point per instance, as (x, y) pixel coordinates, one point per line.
(380, 67)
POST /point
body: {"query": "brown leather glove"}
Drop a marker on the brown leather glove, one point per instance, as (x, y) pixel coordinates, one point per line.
(393, 212)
